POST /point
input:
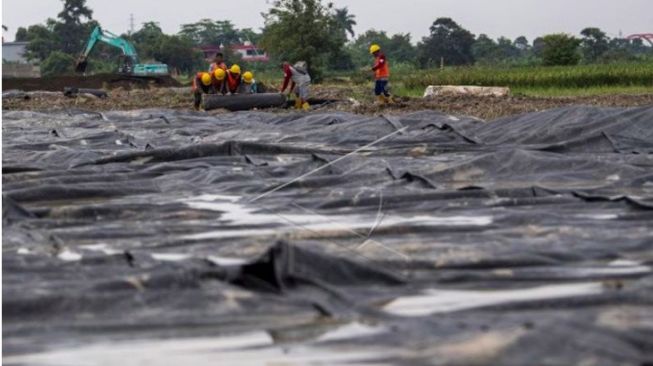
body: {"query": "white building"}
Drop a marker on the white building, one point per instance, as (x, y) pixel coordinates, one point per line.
(14, 52)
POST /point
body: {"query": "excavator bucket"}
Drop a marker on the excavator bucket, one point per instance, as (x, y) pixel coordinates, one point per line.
(81, 64)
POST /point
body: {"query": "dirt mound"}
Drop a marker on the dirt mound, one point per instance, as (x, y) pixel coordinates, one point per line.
(99, 81)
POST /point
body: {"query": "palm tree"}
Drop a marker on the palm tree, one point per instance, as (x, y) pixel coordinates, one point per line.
(345, 20)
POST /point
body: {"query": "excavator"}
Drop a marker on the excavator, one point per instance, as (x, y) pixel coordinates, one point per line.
(129, 65)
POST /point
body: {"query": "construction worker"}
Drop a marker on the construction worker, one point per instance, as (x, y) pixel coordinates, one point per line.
(233, 79)
(297, 76)
(381, 74)
(202, 84)
(218, 63)
(219, 84)
(249, 85)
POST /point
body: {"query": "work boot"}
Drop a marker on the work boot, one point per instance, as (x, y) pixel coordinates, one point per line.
(306, 106)
(298, 103)
(389, 100)
(381, 100)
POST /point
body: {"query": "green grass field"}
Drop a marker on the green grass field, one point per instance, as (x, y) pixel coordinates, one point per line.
(583, 80)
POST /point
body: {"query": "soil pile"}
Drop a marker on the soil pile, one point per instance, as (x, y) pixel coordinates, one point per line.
(99, 81)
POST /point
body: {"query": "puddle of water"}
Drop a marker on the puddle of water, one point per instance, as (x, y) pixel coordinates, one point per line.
(225, 261)
(236, 213)
(613, 270)
(254, 348)
(433, 301)
(101, 247)
(598, 216)
(68, 255)
(222, 261)
(624, 262)
(170, 257)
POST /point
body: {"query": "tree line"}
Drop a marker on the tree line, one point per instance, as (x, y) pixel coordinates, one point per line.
(322, 35)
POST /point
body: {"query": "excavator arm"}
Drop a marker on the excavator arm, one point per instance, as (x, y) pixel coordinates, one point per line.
(99, 35)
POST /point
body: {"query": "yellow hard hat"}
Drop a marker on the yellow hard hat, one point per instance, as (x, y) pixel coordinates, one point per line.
(375, 48)
(219, 74)
(248, 77)
(206, 78)
(235, 69)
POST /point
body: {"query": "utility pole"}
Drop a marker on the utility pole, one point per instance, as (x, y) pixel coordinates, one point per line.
(131, 23)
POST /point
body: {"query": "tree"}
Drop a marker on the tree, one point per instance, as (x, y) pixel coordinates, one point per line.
(594, 44)
(21, 34)
(42, 40)
(521, 43)
(619, 50)
(249, 35)
(57, 63)
(345, 21)
(179, 53)
(210, 32)
(560, 49)
(400, 49)
(71, 30)
(147, 39)
(487, 51)
(506, 49)
(68, 34)
(484, 49)
(449, 41)
(359, 48)
(74, 10)
(302, 30)
(538, 47)
(397, 48)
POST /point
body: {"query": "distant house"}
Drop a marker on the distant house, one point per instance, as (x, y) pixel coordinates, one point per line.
(14, 52)
(247, 51)
(14, 62)
(209, 51)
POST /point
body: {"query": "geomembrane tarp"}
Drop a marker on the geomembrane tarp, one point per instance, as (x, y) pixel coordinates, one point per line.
(170, 237)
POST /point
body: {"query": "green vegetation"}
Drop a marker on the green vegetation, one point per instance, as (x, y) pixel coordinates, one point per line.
(581, 76)
(560, 49)
(303, 30)
(584, 92)
(57, 63)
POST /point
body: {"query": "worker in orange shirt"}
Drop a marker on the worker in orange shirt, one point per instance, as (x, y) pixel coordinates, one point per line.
(381, 74)
(218, 63)
(233, 79)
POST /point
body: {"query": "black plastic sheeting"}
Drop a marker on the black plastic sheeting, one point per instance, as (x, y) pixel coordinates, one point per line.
(168, 237)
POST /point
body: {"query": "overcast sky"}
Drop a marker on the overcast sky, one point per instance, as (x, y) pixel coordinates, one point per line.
(496, 18)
